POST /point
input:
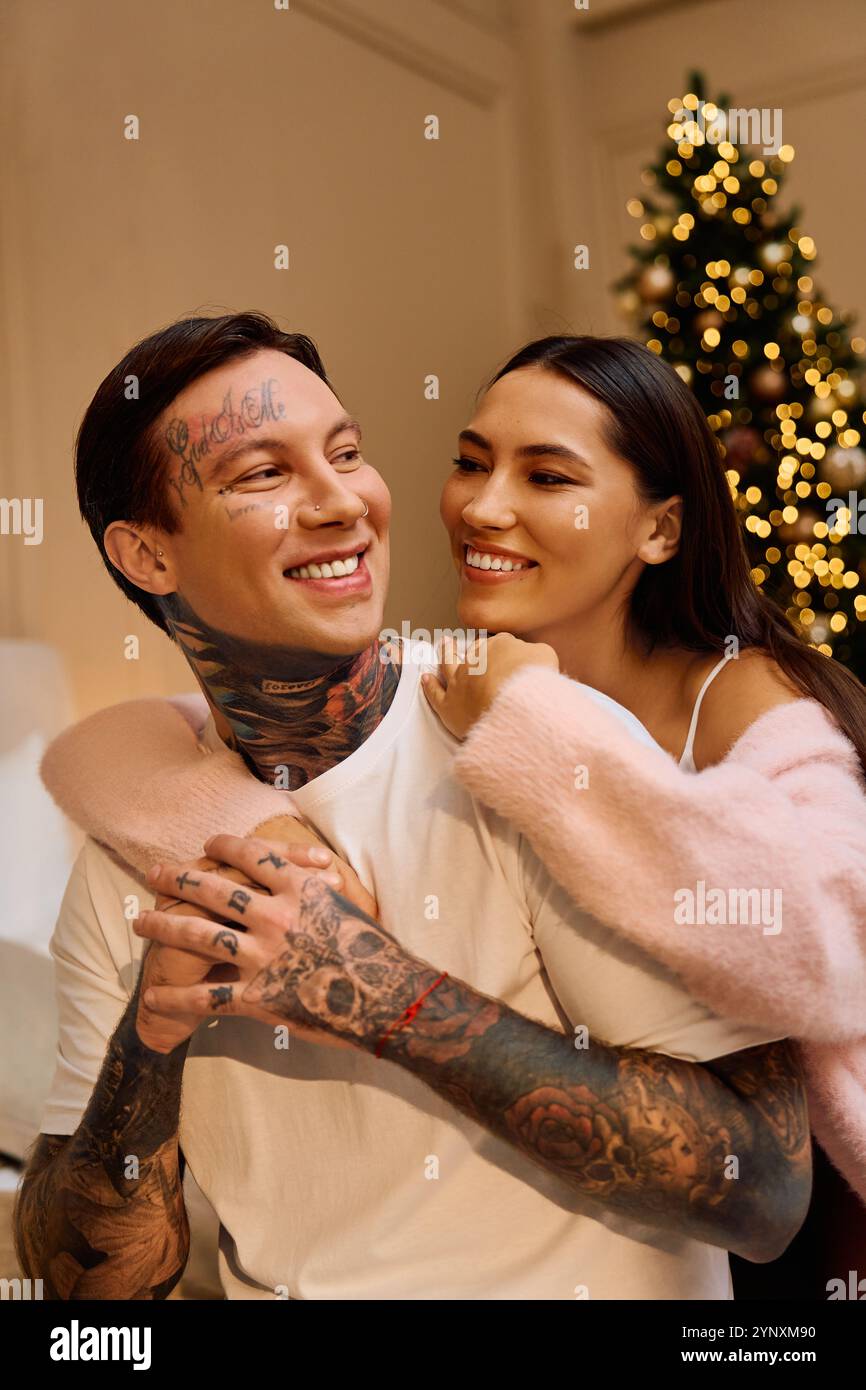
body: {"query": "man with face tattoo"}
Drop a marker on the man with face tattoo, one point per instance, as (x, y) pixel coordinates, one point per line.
(389, 1103)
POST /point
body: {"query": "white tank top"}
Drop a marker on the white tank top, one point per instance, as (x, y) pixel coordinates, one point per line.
(687, 761)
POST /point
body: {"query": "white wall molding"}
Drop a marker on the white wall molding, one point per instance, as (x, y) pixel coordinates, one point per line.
(494, 16)
(436, 42)
(789, 92)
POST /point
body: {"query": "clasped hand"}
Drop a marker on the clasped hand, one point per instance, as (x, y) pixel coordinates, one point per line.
(303, 954)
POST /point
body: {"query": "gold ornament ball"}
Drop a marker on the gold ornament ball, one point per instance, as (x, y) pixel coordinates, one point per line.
(767, 385)
(655, 284)
(844, 468)
(819, 630)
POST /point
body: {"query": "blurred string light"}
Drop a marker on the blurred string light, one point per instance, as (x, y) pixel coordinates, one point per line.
(721, 287)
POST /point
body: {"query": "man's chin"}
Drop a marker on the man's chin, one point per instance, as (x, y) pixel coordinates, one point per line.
(344, 630)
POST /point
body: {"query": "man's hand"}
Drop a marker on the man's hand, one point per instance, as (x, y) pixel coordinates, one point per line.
(168, 965)
(290, 831)
(304, 954)
(632, 1130)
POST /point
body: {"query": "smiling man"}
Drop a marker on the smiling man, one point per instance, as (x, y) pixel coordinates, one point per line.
(493, 1157)
(273, 538)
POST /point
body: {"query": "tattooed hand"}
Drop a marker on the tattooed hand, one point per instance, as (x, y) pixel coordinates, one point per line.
(167, 963)
(304, 954)
(290, 831)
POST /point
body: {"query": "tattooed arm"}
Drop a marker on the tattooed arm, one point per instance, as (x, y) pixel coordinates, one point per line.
(87, 1221)
(100, 1213)
(718, 1151)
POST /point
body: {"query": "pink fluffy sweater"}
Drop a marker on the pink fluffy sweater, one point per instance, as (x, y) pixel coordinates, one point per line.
(785, 809)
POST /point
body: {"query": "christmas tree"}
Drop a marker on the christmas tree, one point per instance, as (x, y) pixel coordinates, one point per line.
(722, 288)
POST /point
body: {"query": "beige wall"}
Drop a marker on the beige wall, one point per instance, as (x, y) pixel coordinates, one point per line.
(408, 257)
(257, 128)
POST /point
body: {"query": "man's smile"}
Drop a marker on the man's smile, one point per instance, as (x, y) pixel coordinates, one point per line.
(336, 571)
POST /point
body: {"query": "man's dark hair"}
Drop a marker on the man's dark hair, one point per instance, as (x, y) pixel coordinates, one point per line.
(121, 467)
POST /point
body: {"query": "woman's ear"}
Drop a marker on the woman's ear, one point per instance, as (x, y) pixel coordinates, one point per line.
(138, 556)
(663, 542)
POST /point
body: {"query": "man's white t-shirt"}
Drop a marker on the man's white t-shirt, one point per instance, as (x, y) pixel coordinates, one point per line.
(338, 1175)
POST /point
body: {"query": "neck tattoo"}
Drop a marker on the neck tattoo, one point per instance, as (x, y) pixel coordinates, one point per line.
(294, 713)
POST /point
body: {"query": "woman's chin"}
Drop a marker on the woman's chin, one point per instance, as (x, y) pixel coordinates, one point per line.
(490, 611)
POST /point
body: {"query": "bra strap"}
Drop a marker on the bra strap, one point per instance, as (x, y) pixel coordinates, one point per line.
(687, 754)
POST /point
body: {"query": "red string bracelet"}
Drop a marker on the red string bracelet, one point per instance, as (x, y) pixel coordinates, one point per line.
(409, 1014)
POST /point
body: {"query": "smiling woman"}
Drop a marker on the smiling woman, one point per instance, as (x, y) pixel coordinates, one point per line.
(657, 579)
(641, 605)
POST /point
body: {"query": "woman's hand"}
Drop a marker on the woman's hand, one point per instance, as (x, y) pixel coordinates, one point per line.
(304, 954)
(465, 689)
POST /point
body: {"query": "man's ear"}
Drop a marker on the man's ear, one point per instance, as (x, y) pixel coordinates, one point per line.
(139, 554)
(663, 540)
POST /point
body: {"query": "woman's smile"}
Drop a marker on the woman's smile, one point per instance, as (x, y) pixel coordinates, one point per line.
(488, 564)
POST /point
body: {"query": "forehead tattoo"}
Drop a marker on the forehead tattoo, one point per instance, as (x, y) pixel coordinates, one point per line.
(257, 407)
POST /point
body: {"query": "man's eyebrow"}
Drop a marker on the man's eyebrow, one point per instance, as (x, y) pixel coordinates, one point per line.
(528, 451)
(251, 446)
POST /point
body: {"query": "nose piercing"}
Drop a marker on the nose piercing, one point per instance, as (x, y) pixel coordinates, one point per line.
(317, 508)
(366, 512)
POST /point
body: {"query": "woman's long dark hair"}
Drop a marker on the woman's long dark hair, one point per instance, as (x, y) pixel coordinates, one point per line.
(705, 594)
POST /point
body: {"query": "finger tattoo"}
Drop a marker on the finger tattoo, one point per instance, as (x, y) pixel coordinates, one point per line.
(271, 858)
(221, 997)
(239, 900)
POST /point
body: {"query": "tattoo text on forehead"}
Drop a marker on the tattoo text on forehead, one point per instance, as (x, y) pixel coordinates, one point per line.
(257, 407)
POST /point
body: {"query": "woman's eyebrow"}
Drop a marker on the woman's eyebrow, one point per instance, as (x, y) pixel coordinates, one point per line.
(528, 450)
